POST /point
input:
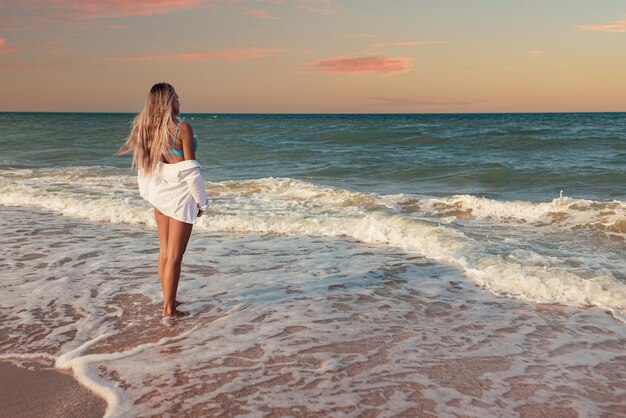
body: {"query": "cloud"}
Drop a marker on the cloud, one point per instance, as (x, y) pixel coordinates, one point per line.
(6, 48)
(615, 27)
(94, 9)
(362, 35)
(408, 43)
(235, 54)
(387, 101)
(16, 14)
(346, 64)
(261, 14)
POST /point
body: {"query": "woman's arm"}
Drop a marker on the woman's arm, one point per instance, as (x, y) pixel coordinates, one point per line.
(195, 181)
(185, 133)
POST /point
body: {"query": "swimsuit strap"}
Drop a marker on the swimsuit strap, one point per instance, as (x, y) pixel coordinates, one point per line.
(175, 134)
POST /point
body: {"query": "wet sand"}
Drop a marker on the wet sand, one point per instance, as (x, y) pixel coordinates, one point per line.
(45, 393)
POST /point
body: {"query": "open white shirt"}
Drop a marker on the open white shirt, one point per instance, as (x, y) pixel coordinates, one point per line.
(176, 190)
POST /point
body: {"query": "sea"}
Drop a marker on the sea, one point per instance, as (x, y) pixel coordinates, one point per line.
(351, 265)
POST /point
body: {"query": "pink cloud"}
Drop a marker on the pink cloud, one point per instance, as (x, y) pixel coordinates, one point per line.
(261, 14)
(614, 27)
(412, 102)
(235, 54)
(5, 48)
(95, 9)
(345, 64)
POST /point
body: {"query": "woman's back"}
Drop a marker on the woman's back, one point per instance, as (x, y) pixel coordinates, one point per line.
(181, 137)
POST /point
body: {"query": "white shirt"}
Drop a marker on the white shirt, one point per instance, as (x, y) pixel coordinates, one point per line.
(176, 190)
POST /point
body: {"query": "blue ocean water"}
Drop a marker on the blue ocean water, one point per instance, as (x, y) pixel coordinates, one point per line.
(541, 179)
(528, 157)
(349, 265)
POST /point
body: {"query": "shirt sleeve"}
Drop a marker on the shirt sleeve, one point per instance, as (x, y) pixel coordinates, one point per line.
(195, 182)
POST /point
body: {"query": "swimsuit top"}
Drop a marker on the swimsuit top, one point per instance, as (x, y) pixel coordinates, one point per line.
(179, 152)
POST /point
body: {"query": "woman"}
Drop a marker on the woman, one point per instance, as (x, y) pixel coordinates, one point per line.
(169, 177)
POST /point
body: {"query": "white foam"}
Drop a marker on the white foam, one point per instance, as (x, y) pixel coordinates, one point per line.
(285, 320)
(84, 368)
(562, 211)
(287, 206)
(503, 275)
(26, 356)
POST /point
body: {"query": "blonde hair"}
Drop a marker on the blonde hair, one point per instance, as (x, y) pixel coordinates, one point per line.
(149, 137)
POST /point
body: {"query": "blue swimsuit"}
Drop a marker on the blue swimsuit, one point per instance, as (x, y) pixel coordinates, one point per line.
(179, 152)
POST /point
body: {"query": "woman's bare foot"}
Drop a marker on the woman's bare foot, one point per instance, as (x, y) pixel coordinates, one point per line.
(175, 313)
(176, 304)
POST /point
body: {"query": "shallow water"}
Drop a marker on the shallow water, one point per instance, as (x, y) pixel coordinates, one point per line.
(531, 251)
(294, 325)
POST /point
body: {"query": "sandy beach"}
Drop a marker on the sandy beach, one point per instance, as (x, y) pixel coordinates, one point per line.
(34, 390)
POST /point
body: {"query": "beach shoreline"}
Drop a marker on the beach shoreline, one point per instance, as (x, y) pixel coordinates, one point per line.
(38, 391)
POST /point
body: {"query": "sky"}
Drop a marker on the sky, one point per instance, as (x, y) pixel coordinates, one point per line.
(315, 56)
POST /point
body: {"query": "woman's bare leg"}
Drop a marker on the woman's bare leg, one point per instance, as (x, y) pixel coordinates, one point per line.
(163, 222)
(178, 234)
(163, 227)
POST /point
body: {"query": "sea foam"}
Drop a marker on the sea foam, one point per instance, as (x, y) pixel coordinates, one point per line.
(411, 223)
(292, 322)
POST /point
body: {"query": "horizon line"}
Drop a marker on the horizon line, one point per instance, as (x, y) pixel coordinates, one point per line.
(322, 113)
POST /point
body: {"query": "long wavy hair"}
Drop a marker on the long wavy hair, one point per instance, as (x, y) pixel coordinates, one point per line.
(149, 137)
